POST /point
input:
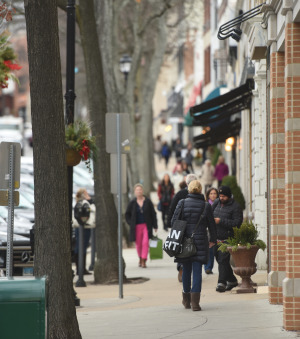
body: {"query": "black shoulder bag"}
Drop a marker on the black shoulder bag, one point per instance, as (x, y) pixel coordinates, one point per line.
(188, 247)
(172, 245)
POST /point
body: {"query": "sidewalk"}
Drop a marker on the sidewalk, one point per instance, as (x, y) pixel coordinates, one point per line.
(153, 309)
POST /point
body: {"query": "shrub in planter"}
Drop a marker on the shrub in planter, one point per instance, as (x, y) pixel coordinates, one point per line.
(243, 247)
(245, 236)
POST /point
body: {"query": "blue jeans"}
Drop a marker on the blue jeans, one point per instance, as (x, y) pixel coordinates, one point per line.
(211, 259)
(190, 267)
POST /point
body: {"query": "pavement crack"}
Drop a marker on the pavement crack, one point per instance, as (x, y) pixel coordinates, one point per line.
(185, 330)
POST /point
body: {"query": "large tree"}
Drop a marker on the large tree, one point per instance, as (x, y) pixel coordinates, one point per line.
(138, 28)
(52, 233)
(106, 267)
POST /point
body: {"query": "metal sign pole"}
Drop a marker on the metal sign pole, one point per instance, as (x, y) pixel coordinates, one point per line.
(120, 233)
(10, 224)
(93, 249)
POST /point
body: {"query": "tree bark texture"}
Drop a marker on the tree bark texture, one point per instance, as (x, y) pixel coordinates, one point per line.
(106, 267)
(52, 232)
(145, 124)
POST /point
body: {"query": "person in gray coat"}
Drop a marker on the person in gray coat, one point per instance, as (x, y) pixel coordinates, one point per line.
(193, 207)
(227, 214)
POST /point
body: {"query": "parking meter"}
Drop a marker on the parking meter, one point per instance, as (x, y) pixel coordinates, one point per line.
(82, 213)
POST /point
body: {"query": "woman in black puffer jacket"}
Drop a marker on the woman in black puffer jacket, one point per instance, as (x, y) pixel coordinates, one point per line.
(193, 207)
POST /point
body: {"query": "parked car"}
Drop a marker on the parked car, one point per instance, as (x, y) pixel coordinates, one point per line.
(25, 210)
(11, 130)
(21, 225)
(22, 255)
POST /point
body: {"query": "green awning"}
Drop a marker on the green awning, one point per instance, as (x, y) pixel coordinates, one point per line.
(188, 119)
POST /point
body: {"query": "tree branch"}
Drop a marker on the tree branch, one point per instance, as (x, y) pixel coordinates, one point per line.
(167, 6)
(182, 17)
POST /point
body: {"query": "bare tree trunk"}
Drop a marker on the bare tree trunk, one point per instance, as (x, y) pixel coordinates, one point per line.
(52, 232)
(106, 267)
(144, 126)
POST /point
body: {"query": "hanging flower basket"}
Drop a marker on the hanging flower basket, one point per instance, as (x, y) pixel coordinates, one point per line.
(7, 61)
(73, 157)
(79, 140)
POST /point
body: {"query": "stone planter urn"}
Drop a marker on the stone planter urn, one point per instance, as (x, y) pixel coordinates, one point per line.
(245, 266)
(73, 157)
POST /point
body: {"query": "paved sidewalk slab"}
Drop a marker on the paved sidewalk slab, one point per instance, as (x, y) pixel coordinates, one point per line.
(153, 309)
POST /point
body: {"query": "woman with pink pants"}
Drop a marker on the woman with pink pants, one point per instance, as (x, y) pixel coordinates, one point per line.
(141, 217)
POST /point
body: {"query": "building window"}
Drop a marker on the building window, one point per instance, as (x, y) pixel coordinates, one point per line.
(206, 16)
(207, 66)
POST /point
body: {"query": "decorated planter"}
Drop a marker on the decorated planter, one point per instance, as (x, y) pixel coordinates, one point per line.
(82, 144)
(73, 157)
(245, 266)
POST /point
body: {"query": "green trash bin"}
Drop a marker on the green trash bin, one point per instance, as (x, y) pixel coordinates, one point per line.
(22, 308)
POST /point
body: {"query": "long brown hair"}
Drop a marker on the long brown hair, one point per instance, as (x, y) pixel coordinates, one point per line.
(208, 192)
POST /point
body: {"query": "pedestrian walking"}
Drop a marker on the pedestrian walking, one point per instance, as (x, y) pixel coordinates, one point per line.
(181, 194)
(165, 193)
(165, 153)
(207, 174)
(189, 156)
(178, 167)
(221, 170)
(178, 148)
(211, 195)
(193, 207)
(141, 217)
(185, 169)
(227, 214)
(158, 147)
(85, 199)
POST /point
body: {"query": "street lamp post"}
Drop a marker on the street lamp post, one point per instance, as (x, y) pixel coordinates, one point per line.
(125, 65)
(70, 99)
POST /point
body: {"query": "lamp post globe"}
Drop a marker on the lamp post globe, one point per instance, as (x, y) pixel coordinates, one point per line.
(125, 65)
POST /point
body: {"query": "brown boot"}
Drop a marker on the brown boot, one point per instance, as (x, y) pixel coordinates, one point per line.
(144, 263)
(140, 263)
(186, 300)
(195, 298)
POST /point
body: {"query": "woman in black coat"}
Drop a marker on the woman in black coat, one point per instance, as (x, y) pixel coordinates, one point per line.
(141, 217)
(193, 208)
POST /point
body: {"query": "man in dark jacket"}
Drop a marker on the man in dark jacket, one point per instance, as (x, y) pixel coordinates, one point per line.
(227, 214)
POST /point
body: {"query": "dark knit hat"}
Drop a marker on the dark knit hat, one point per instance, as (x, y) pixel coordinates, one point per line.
(225, 190)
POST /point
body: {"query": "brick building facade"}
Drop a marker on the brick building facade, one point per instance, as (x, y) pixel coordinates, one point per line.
(275, 43)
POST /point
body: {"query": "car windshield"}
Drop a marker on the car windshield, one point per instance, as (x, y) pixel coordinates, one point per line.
(24, 203)
(28, 195)
(9, 126)
(2, 222)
